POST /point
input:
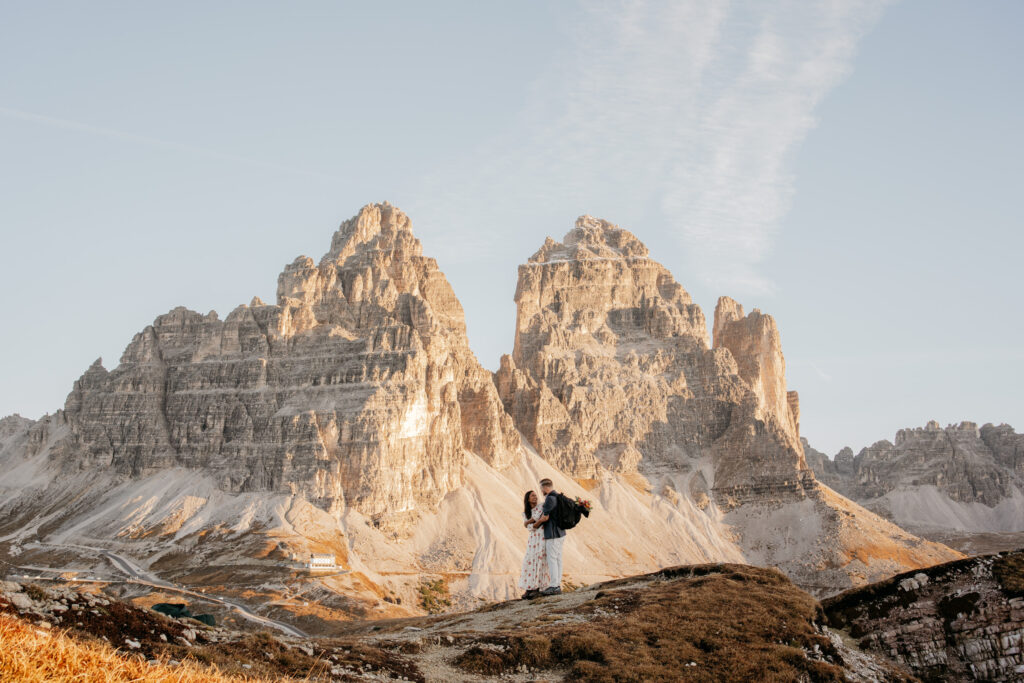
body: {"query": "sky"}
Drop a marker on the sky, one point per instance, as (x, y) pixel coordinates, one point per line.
(851, 168)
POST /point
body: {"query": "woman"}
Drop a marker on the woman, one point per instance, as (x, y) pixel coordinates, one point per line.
(534, 575)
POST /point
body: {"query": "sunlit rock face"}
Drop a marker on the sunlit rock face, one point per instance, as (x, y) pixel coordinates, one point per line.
(357, 388)
(612, 370)
(612, 375)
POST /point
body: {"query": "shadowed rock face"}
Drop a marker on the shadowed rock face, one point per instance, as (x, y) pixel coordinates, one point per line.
(357, 388)
(611, 369)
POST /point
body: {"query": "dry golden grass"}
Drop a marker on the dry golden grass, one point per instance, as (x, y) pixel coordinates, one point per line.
(29, 654)
(1009, 572)
(700, 623)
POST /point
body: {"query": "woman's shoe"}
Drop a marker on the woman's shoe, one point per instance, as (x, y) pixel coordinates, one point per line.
(530, 594)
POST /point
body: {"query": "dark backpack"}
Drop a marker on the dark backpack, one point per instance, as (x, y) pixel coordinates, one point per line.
(567, 512)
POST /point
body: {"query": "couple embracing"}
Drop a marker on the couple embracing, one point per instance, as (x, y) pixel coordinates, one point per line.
(547, 518)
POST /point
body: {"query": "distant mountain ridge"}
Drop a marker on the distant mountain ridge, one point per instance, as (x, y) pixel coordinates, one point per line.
(958, 478)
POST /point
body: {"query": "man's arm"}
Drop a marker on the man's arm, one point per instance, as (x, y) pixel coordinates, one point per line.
(550, 503)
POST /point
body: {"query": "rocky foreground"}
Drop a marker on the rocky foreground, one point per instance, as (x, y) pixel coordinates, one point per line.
(962, 620)
(703, 622)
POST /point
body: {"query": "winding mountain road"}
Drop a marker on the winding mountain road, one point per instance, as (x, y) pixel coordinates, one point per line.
(140, 576)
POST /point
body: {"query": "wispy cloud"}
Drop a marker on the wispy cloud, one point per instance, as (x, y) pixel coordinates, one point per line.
(149, 141)
(687, 112)
(820, 373)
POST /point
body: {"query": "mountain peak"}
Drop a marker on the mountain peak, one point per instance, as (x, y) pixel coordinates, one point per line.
(591, 238)
(375, 223)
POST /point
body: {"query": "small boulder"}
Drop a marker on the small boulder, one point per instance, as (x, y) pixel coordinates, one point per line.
(21, 601)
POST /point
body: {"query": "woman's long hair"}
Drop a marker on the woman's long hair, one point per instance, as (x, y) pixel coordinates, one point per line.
(527, 508)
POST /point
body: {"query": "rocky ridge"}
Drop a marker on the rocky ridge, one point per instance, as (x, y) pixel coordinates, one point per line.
(958, 478)
(693, 622)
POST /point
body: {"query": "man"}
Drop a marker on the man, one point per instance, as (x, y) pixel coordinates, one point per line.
(554, 536)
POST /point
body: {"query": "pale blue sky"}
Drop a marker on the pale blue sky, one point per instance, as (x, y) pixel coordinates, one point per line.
(852, 168)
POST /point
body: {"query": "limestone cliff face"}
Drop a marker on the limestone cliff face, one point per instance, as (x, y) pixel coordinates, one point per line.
(765, 429)
(1007, 447)
(356, 393)
(13, 426)
(834, 473)
(612, 374)
(611, 369)
(754, 342)
(357, 388)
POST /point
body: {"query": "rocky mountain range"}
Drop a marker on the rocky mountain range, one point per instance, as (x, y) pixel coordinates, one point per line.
(955, 482)
(351, 417)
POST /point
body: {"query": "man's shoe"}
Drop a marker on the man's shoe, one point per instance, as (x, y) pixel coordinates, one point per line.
(553, 590)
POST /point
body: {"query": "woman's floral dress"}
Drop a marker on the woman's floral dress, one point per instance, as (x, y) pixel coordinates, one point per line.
(535, 564)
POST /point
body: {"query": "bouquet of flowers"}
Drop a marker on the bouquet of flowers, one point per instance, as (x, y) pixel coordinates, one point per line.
(584, 506)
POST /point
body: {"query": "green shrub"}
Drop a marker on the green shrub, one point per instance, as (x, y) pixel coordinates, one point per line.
(434, 596)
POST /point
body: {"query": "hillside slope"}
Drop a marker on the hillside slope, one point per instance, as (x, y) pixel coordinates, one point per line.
(702, 623)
